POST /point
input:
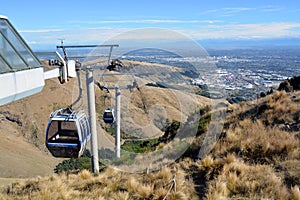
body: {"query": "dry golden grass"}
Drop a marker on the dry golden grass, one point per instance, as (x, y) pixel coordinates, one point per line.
(281, 108)
(295, 193)
(111, 184)
(239, 180)
(257, 141)
(233, 178)
(258, 156)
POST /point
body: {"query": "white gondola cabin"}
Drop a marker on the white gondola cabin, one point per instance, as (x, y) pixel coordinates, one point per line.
(108, 116)
(67, 133)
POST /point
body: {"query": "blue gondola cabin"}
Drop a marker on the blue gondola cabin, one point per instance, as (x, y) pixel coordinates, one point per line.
(108, 116)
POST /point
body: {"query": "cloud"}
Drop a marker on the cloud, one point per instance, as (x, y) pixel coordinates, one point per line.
(231, 11)
(71, 36)
(205, 31)
(143, 21)
(250, 31)
(237, 9)
(41, 31)
(271, 8)
(228, 11)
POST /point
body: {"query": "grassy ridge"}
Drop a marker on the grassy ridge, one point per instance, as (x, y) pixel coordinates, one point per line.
(258, 155)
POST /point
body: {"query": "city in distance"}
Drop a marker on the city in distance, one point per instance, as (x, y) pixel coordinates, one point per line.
(244, 70)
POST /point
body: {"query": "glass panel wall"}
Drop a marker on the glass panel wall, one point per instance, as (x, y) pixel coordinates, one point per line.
(14, 51)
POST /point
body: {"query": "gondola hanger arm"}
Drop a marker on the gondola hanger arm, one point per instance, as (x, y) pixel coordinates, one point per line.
(65, 70)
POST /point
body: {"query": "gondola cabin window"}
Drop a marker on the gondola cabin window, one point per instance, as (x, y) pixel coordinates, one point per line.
(63, 132)
(67, 133)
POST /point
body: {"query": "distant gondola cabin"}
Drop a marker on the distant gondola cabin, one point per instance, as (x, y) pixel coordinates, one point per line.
(108, 116)
(67, 133)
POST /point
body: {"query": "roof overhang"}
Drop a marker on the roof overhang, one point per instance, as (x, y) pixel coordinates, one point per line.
(3, 17)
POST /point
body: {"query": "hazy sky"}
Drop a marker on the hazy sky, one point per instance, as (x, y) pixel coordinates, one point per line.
(96, 20)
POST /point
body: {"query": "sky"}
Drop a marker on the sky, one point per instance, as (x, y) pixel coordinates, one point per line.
(43, 23)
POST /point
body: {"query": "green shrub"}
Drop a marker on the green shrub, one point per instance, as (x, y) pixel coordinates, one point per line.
(84, 162)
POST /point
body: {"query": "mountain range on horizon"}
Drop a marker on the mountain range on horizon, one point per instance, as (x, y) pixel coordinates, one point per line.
(216, 43)
(250, 43)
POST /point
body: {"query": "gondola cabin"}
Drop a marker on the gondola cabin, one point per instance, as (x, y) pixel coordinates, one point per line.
(67, 133)
(108, 116)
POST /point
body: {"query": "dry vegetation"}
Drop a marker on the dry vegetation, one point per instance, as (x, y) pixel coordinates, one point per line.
(109, 184)
(237, 179)
(256, 157)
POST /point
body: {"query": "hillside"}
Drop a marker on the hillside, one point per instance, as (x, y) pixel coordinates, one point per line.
(258, 154)
(23, 123)
(256, 157)
(22, 126)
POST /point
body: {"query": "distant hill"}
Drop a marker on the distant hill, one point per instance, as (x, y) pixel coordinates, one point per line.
(249, 43)
(156, 53)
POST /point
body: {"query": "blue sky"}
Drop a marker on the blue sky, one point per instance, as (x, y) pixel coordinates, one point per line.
(94, 21)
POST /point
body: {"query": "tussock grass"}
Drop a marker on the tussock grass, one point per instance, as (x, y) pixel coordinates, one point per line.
(256, 141)
(111, 184)
(258, 155)
(239, 180)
